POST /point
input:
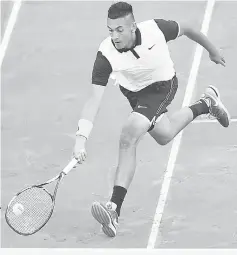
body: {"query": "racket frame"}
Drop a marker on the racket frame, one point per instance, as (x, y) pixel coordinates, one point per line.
(59, 177)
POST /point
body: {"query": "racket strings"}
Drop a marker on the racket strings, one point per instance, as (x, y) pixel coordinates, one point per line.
(30, 210)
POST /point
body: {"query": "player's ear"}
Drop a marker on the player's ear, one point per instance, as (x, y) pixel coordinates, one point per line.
(134, 27)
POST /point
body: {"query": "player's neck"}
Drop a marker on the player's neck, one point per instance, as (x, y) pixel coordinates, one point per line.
(132, 42)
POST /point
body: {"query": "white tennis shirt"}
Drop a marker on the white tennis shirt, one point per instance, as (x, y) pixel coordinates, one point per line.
(148, 62)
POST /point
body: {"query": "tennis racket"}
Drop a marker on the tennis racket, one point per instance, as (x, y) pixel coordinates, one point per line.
(30, 209)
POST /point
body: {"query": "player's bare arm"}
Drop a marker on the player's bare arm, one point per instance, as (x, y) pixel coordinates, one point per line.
(88, 115)
(92, 105)
(200, 38)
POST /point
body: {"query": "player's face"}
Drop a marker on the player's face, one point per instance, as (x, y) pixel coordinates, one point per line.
(122, 31)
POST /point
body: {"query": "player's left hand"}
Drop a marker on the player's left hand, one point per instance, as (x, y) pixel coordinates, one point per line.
(217, 58)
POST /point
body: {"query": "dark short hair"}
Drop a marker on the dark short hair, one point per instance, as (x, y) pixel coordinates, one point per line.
(119, 10)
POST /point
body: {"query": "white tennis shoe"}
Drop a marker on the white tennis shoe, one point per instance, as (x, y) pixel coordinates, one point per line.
(106, 216)
(216, 108)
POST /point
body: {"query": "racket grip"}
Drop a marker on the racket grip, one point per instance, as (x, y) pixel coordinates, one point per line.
(70, 166)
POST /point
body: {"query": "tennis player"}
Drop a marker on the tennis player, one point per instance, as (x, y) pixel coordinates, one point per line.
(137, 56)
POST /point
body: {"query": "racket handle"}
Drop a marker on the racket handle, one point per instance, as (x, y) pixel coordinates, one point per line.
(70, 166)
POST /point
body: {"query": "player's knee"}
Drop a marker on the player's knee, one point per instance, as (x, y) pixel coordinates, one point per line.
(127, 139)
(130, 135)
(134, 129)
(126, 143)
(164, 141)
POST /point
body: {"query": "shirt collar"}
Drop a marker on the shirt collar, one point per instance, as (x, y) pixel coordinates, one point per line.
(137, 42)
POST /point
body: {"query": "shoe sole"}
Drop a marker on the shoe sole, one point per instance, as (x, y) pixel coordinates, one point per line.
(100, 213)
(216, 91)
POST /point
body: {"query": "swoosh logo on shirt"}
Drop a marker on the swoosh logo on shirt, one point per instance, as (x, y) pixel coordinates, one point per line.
(151, 47)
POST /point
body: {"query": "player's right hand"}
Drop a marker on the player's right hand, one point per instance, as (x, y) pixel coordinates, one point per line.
(79, 151)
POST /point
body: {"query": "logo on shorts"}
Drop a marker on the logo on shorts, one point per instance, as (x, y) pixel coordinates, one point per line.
(141, 106)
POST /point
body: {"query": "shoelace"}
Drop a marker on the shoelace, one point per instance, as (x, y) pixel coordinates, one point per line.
(211, 115)
(113, 215)
(215, 115)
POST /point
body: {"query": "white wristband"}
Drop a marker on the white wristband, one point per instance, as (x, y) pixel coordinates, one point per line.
(84, 128)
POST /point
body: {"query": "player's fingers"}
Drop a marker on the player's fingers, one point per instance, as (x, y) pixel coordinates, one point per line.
(223, 60)
(78, 158)
(83, 155)
(222, 63)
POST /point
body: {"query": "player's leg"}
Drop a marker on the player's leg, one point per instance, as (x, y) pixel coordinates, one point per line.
(145, 104)
(148, 104)
(135, 127)
(167, 128)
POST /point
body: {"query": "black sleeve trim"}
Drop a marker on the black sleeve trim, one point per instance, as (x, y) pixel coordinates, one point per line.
(169, 28)
(101, 70)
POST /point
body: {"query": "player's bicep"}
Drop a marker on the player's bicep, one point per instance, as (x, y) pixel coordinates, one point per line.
(184, 29)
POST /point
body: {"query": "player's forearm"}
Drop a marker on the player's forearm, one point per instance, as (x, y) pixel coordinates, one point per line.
(89, 112)
(92, 105)
(90, 109)
(202, 40)
(85, 123)
(88, 115)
